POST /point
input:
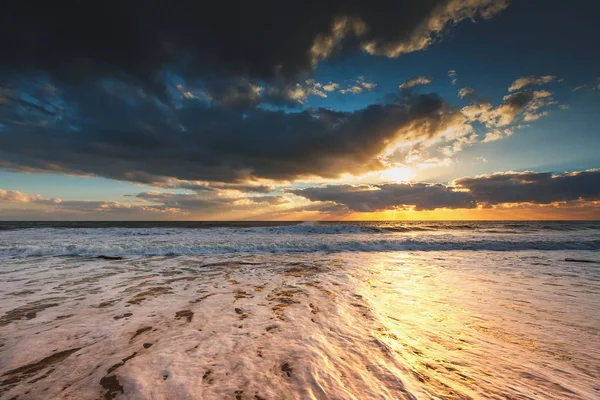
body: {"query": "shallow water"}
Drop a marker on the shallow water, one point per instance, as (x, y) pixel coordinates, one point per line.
(353, 311)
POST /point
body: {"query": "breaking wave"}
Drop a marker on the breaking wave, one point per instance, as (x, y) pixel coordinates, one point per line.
(278, 247)
(175, 240)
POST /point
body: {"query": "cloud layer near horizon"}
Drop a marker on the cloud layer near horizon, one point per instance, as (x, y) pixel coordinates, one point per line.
(510, 189)
(481, 191)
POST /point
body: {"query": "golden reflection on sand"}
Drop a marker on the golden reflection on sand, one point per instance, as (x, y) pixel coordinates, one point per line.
(467, 330)
(402, 325)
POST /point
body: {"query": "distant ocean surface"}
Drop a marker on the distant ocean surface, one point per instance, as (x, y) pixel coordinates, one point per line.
(287, 310)
(206, 238)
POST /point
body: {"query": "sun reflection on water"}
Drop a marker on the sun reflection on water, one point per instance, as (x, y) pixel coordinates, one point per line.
(464, 329)
(352, 325)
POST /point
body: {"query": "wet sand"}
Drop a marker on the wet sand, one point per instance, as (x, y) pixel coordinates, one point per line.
(341, 326)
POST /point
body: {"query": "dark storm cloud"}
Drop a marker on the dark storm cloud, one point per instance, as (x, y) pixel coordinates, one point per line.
(137, 41)
(161, 93)
(533, 187)
(487, 190)
(384, 197)
(197, 186)
(117, 131)
(234, 94)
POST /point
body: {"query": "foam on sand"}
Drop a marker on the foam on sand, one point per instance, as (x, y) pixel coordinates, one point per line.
(352, 326)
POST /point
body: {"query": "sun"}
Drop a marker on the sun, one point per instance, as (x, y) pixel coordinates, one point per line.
(397, 174)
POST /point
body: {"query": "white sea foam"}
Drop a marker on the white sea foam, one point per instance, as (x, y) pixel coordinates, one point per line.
(285, 239)
(274, 324)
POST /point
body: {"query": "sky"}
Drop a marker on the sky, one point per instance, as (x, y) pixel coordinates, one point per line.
(269, 110)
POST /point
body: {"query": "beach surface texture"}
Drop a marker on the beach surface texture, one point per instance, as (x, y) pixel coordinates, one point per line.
(454, 310)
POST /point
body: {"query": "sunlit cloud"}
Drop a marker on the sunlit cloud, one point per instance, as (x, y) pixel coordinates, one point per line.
(415, 81)
(506, 190)
(466, 193)
(359, 86)
(498, 134)
(450, 13)
(465, 92)
(531, 80)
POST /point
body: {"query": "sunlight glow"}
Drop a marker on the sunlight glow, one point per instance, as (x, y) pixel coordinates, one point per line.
(398, 174)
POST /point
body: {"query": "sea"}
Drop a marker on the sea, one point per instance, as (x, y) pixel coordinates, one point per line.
(300, 310)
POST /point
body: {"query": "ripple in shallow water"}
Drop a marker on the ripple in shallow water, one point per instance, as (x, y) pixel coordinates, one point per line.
(345, 325)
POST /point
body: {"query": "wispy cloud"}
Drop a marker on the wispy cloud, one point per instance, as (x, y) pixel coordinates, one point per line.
(359, 86)
(465, 92)
(531, 80)
(453, 76)
(415, 81)
(595, 86)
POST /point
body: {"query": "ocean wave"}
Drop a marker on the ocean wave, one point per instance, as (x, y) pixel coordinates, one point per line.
(304, 228)
(297, 238)
(319, 228)
(162, 249)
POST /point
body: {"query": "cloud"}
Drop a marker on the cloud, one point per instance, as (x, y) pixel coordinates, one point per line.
(196, 202)
(454, 76)
(526, 104)
(365, 198)
(152, 205)
(459, 144)
(300, 92)
(116, 131)
(531, 80)
(593, 86)
(444, 14)
(37, 205)
(225, 135)
(369, 85)
(468, 193)
(473, 97)
(532, 187)
(243, 94)
(114, 40)
(15, 196)
(235, 94)
(414, 81)
(200, 186)
(327, 208)
(359, 86)
(498, 134)
(465, 92)
(352, 89)
(330, 87)
(510, 108)
(534, 117)
(504, 190)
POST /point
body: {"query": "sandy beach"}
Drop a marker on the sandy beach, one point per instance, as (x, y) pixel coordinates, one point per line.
(353, 325)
